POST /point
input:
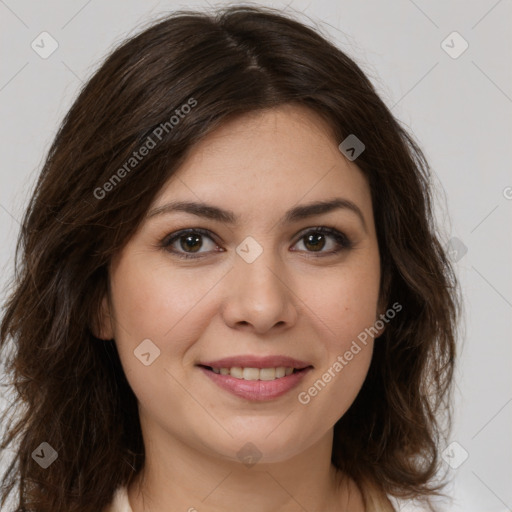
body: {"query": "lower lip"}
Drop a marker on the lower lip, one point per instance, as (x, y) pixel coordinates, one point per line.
(257, 390)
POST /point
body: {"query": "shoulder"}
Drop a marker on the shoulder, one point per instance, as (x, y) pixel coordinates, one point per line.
(376, 500)
(355, 496)
(120, 502)
(366, 496)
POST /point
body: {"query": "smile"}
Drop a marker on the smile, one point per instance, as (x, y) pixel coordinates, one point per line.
(256, 384)
(255, 373)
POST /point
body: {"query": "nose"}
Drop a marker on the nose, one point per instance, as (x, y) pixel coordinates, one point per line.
(258, 296)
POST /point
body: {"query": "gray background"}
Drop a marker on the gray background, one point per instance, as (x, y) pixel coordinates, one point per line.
(459, 109)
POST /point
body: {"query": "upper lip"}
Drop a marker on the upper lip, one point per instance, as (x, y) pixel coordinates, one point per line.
(251, 361)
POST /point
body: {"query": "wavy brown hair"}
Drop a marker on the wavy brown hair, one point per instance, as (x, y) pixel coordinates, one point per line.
(70, 388)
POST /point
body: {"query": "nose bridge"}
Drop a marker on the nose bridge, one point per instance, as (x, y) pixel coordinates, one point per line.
(257, 267)
(258, 293)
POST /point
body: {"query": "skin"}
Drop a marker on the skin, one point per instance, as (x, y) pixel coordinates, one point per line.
(289, 301)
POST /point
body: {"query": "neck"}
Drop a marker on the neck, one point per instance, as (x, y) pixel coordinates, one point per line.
(179, 477)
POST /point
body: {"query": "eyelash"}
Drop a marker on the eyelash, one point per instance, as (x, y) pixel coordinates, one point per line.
(344, 243)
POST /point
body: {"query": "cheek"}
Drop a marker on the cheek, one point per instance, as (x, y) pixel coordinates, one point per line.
(167, 308)
(153, 302)
(344, 302)
(345, 311)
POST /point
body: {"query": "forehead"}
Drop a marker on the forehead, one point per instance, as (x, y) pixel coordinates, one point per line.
(288, 137)
(266, 161)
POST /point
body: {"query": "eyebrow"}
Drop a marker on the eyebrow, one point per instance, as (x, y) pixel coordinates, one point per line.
(227, 216)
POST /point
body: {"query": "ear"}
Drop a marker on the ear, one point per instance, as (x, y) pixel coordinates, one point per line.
(102, 327)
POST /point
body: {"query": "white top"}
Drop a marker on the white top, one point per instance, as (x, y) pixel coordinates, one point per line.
(120, 501)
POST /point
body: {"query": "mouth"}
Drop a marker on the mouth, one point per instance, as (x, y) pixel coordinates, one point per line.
(256, 379)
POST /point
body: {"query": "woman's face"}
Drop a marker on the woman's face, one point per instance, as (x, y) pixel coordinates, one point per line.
(261, 286)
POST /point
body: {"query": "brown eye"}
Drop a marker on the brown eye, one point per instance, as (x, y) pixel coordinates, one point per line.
(192, 242)
(315, 240)
(185, 243)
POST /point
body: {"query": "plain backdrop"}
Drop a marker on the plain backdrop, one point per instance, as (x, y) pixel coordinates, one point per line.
(452, 90)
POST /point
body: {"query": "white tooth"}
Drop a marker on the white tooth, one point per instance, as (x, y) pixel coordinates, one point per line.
(251, 373)
(236, 372)
(280, 372)
(255, 373)
(268, 374)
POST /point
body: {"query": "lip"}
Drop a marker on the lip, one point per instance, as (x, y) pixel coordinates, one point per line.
(250, 361)
(257, 390)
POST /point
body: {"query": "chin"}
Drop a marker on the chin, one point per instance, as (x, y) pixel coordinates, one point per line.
(261, 445)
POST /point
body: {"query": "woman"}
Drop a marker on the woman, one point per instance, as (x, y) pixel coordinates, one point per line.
(231, 292)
